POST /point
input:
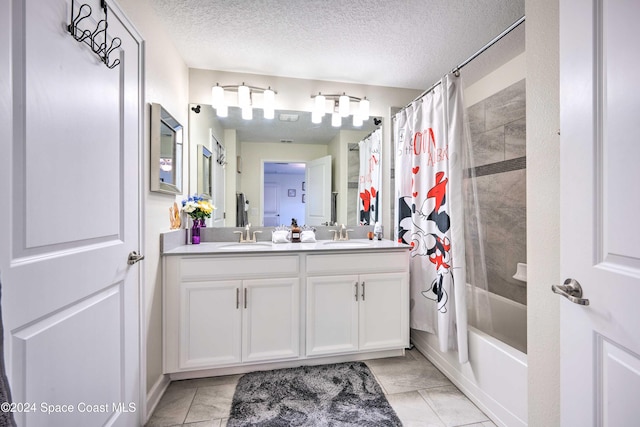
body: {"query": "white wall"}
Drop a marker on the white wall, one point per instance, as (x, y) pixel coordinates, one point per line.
(166, 83)
(543, 212)
(295, 94)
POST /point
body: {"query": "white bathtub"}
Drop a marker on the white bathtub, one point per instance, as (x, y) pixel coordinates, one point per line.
(495, 378)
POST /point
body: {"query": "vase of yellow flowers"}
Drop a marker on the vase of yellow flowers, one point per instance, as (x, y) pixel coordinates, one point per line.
(197, 208)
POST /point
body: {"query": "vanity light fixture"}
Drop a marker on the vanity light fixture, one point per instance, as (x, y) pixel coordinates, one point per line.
(244, 100)
(341, 105)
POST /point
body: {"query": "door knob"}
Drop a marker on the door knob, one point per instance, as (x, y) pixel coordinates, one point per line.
(134, 257)
(571, 290)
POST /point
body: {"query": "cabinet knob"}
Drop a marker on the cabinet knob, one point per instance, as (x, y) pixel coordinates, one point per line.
(356, 295)
(363, 290)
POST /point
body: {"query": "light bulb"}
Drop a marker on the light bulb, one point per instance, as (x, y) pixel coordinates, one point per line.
(336, 120)
(316, 117)
(269, 104)
(217, 96)
(357, 120)
(222, 110)
(343, 105)
(364, 109)
(320, 105)
(247, 113)
(244, 96)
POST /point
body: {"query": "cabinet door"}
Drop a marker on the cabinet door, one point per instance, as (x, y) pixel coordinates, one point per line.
(332, 314)
(384, 311)
(271, 319)
(210, 323)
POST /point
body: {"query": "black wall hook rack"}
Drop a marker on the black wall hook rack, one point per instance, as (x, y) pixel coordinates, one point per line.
(96, 39)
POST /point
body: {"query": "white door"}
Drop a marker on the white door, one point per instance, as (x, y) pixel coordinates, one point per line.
(600, 211)
(69, 182)
(318, 198)
(271, 205)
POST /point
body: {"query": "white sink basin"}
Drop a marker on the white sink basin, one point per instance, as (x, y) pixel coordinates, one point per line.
(245, 246)
(348, 244)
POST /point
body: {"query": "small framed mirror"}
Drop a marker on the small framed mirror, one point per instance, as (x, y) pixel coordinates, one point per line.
(166, 151)
(204, 170)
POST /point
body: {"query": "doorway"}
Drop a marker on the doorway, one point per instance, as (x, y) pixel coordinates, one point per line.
(284, 193)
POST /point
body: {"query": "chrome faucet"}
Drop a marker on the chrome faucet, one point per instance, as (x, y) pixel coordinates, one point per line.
(341, 233)
(248, 238)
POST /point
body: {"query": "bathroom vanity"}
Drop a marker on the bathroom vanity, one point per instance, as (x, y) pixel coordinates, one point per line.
(234, 307)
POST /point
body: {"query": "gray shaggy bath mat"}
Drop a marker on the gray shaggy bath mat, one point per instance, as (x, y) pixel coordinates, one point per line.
(335, 395)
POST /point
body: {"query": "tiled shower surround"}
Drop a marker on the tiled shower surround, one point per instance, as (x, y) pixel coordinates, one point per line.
(498, 136)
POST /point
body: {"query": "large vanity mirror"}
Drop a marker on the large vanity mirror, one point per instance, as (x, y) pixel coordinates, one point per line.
(166, 152)
(267, 163)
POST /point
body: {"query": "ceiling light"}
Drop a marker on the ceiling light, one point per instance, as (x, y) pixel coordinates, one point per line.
(319, 105)
(222, 110)
(340, 106)
(364, 109)
(343, 105)
(244, 96)
(286, 117)
(247, 112)
(269, 103)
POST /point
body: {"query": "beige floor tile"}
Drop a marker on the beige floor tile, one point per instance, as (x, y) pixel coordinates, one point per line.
(413, 410)
(453, 407)
(172, 408)
(406, 376)
(211, 403)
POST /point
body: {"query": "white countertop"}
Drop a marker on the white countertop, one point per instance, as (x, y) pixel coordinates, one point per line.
(235, 248)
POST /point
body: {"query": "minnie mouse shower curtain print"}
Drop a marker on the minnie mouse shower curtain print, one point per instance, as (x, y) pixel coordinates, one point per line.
(429, 144)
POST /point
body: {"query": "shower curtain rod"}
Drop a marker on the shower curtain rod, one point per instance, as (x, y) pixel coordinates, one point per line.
(370, 133)
(469, 59)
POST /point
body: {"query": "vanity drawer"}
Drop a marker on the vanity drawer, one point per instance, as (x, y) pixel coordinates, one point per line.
(201, 267)
(366, 262)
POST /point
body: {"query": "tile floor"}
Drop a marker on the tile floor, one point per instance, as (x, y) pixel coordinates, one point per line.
(419, 393)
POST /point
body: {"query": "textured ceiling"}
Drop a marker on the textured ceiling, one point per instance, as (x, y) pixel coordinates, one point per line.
(406, 44)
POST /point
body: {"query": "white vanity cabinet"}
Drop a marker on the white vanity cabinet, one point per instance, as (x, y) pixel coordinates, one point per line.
(229, 310)
(357, 303)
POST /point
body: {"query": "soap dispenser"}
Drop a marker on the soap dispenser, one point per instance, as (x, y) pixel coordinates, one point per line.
(295, 231)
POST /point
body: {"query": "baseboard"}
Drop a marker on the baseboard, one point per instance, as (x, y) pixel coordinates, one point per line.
(500, 415)
(155, 394)
(315, 360)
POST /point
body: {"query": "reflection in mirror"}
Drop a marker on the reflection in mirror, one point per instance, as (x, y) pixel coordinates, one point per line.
(204, 171)
(166, 152)
(289, 138)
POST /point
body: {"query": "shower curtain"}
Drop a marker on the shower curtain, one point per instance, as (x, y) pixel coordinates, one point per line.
(430, 148)
(370, 178)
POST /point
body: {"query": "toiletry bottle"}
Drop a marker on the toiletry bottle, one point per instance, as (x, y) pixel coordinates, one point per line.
(295, 231)
(377, 230)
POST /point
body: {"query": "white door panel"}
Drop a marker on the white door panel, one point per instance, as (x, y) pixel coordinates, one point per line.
(600, 343)
(71, 171)
(318, 178)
